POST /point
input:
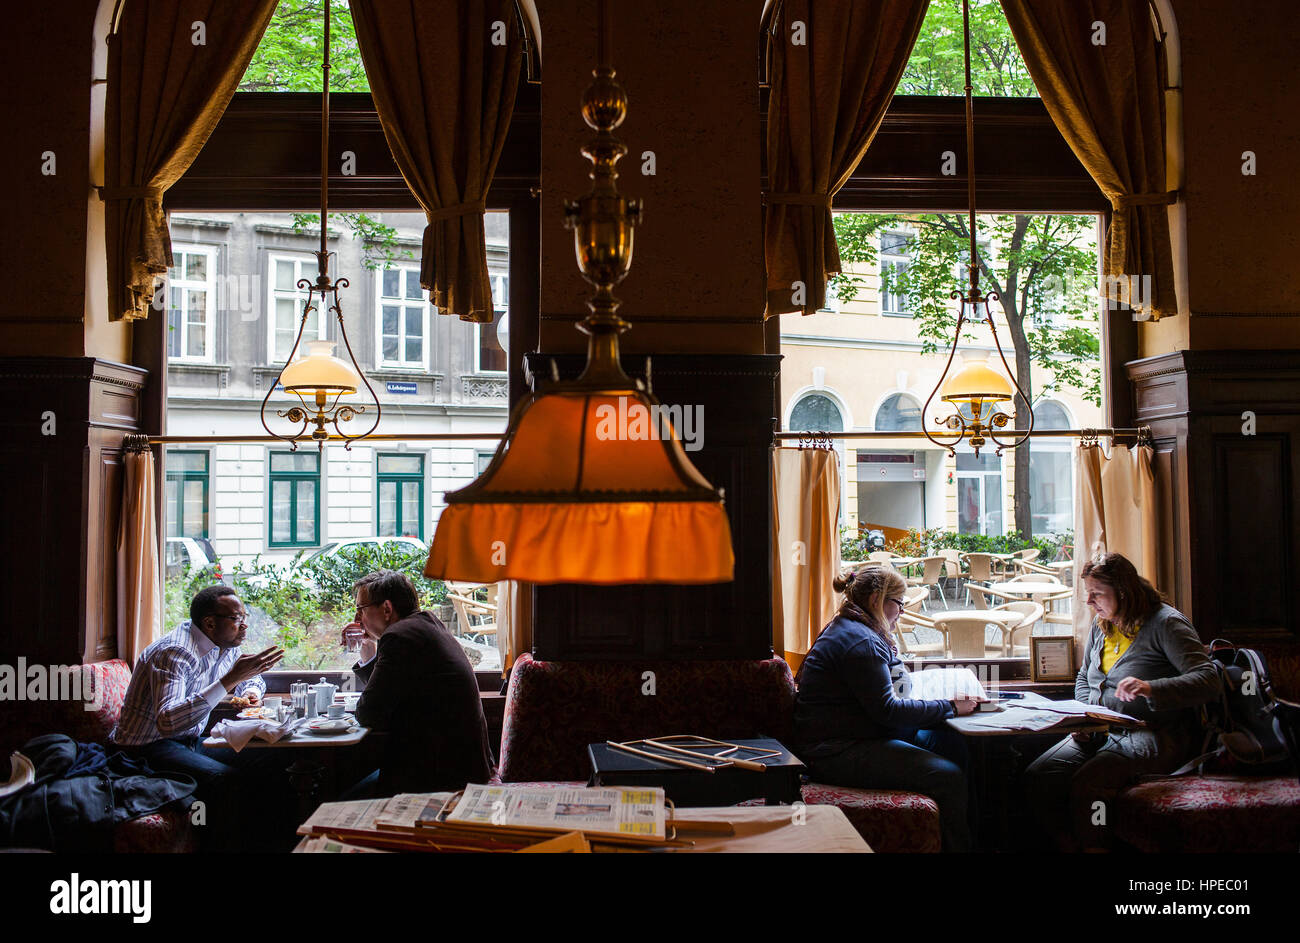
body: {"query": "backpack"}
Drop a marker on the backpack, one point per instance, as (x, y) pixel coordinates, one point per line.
(1243, 732)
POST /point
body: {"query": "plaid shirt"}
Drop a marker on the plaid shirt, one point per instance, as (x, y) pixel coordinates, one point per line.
(174, 687)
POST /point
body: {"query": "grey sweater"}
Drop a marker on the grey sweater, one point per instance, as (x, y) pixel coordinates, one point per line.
(1166, 653)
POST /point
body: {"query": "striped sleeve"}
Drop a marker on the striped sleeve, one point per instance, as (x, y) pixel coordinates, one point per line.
(176, 708)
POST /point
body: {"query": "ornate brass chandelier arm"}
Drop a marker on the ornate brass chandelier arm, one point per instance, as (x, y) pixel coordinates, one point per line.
(925, 410)
(1015, 382)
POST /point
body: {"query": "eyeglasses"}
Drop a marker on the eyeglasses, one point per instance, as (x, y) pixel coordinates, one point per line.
(900, 603)
(361, 606)
(241, 619)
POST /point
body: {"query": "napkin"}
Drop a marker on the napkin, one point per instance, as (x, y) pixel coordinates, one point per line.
(238, 733)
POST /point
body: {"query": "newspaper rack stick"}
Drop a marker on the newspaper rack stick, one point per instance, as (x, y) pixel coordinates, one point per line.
(719, 760)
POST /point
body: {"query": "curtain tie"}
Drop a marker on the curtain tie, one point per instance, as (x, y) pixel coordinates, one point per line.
(1129, 200)
(822, 200)
(459, 209)
(131, 193)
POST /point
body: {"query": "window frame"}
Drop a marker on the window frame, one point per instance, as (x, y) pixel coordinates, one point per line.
(181, 476)
(210, 317)
(322, 317)
(896, 260)
(500, 290)
(426, 342)
(398, 479)
(983, 475)
(274, 476)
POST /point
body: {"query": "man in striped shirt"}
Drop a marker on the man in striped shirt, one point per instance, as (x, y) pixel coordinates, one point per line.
(176, 683)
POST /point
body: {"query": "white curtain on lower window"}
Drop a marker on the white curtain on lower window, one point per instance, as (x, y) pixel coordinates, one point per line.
(1114, 512)
(139, 580)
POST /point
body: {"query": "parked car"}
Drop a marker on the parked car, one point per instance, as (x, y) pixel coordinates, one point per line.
(335, 547)
(185, 556)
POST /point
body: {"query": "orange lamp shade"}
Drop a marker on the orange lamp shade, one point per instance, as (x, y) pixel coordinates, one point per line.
(587, 487)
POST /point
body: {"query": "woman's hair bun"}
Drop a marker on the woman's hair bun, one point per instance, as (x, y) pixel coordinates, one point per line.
(841, 583)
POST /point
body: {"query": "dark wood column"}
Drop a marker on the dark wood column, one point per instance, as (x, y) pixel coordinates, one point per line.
(61, 465)
(1227, 440)
(726, 620)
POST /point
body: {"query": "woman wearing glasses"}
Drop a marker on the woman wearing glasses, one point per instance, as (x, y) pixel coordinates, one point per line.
(1144, 659)
(854, 722)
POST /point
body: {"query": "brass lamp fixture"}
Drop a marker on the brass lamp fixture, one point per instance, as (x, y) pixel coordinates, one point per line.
(319, 375)
(570, 497)
(976, 390)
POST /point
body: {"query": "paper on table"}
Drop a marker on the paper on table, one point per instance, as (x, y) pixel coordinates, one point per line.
(1023, 719)
(943, 684)
(1077, 709)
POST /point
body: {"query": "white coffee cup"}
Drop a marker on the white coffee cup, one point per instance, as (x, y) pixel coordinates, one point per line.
(335, 711)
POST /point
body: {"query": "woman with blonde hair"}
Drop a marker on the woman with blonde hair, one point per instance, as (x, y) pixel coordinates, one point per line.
(1144, 659)
(854, 722)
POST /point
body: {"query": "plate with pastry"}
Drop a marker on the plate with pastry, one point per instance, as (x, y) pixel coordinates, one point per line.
(257, 713)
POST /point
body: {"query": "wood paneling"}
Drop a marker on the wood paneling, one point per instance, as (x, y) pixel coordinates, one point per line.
(61, 504)
(1227, 442)
(726, 620)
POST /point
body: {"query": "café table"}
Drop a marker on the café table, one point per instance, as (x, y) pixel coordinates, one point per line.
(1004, 619)
(996, 763)
(312, 754)
(1037, 590)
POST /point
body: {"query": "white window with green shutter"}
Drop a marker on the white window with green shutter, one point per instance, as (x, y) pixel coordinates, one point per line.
(286, 302)
(186, 496)
(399, 492)
(295, 499)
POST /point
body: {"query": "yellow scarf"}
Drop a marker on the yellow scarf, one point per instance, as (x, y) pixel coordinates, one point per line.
(1115, 645)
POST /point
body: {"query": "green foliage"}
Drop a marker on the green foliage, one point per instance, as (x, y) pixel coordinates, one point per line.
(179, 590)
(289, 57)
(937, 65)
(335, 574)
(379, 245)
(927, 543)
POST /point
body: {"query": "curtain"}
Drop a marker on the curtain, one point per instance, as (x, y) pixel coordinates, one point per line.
(172, 67)
(1107, 99)
(445, 93)
(139, 586)
(805, 548)
(820, 121)
(514, 621)
(1115, 512)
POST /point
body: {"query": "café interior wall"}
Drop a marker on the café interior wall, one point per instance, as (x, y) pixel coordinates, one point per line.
(690, 70)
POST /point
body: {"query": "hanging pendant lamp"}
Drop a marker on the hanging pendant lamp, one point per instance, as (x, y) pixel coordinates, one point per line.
(318, 374)
(976, 391)
(590, 483)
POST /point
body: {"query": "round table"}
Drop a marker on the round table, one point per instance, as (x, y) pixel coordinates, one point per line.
(1002, 618)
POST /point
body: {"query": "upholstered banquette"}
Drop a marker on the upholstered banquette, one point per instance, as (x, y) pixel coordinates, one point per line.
(554, 709)
(102, 686)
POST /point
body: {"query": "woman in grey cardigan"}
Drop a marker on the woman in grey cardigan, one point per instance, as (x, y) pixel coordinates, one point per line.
(1144, 659)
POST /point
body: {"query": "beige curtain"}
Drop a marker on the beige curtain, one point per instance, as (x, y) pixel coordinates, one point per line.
(805, 548)
(1114, 512)
(139, 586)
(445, 93)
(1107, 99)
(833, 66)
(514, 621)
(172, 67)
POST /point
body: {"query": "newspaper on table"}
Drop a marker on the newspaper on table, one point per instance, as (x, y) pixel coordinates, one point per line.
(359, 816)
(626, 812)
(1044, 715)
(942, 684)
(315, 845)
(406, 810)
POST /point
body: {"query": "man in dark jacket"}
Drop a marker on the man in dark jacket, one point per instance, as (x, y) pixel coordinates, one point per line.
(419, 688)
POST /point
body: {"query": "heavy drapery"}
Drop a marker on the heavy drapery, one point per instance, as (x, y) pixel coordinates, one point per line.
(444, 74)
(820, 121)
(172, 67)
(514, 621)
(805, 548)
(1114, 512)
(1099, 68)
(139, 590)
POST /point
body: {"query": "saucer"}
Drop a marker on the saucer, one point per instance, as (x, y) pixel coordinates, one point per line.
(325, 727)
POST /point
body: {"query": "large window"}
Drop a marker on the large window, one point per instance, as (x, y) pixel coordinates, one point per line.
(295, 499)
(816, 413)
(489, 351)
(191, 303)
(399, 490)
(402, 325)
(286, 304)
(1051, 473)
(899, 413)
(186, 496)
(979, 493)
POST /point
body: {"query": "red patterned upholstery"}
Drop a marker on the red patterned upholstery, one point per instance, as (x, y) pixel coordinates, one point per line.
(1221, 814)
(553, 710)
(102, 686)
(1204, 814)
(887, 821)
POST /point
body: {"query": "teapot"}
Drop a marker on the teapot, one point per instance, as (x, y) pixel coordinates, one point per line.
(324, 694)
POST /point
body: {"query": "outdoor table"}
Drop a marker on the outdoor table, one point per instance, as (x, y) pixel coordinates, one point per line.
(1003, 618)
(1034, 590)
